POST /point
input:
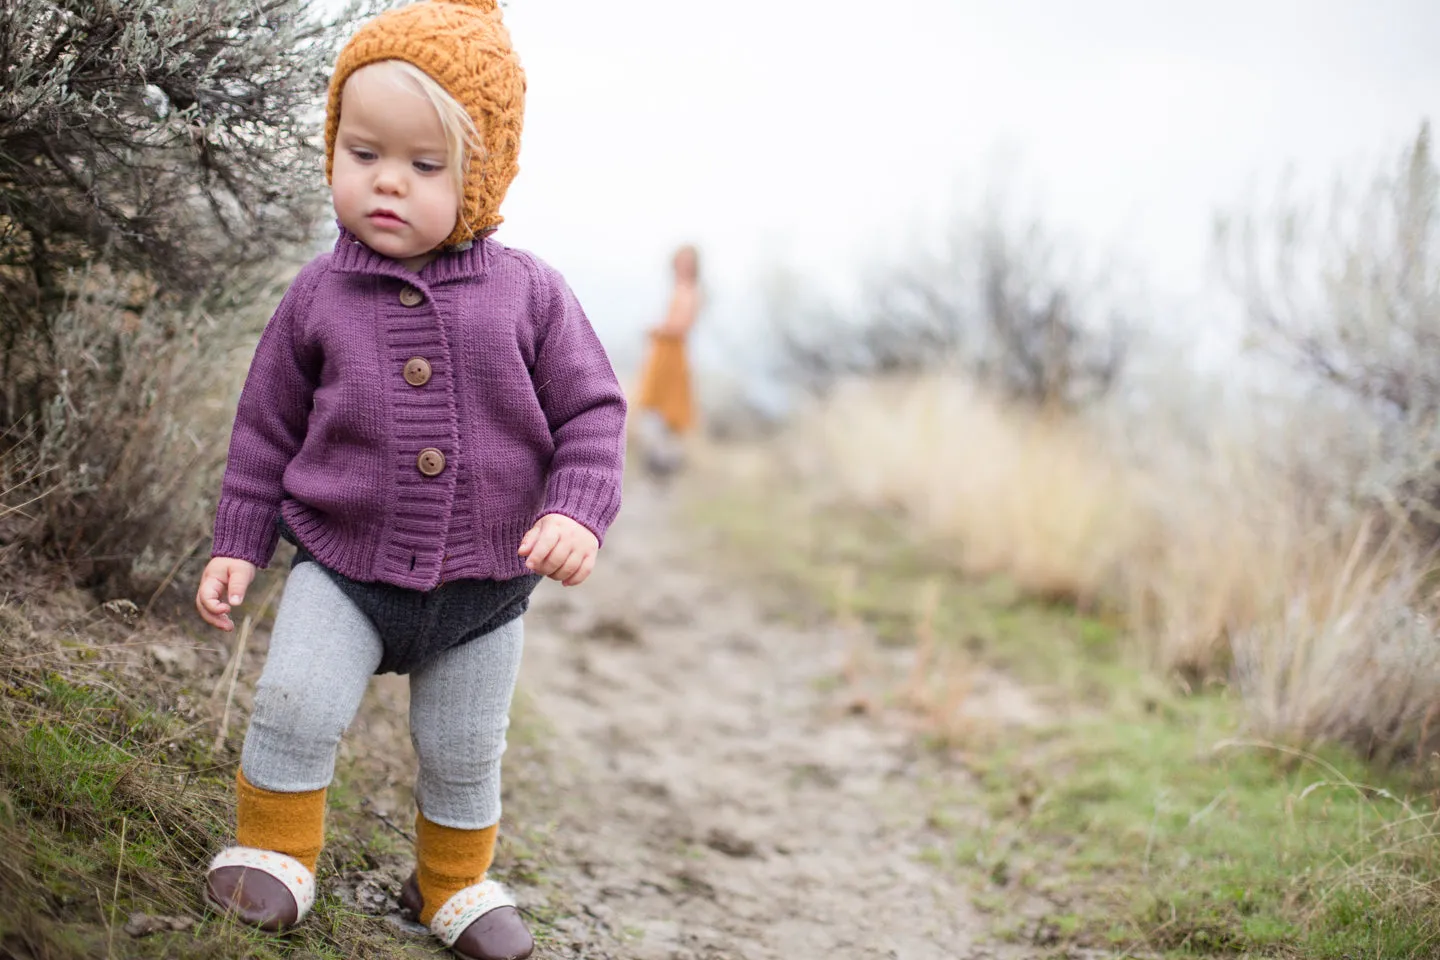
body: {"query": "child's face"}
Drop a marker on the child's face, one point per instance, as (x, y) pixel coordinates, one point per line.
(389, 183)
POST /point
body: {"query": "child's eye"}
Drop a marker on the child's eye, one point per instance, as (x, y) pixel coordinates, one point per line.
(364, 156)
(427, 166)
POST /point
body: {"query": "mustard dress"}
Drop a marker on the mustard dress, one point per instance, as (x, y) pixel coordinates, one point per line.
(665, 382)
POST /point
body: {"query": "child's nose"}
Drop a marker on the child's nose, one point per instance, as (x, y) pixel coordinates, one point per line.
(391, 180)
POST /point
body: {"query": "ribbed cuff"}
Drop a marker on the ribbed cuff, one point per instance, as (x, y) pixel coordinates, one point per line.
(245, 531)
(590, 499)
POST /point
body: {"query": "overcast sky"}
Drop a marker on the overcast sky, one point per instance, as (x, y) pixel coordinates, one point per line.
(824, 134)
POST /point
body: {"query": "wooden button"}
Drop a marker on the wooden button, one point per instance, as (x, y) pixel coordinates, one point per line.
(417, 371)
(430, 461)
(411, 297)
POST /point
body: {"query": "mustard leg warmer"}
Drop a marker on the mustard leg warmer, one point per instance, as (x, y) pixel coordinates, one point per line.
(448, 860)
(288, 823)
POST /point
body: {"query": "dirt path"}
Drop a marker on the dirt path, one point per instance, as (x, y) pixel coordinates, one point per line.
(700, 796)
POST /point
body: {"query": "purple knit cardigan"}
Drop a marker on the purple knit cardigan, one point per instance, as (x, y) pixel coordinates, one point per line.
(520, 402)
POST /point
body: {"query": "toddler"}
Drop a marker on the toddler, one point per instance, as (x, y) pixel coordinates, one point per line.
(431, 420)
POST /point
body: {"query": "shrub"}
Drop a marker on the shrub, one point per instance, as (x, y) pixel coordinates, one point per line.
(169, 137)
(1242, 533)
(1351, 304)
(993, 305)
(158, 164)
(115, 475)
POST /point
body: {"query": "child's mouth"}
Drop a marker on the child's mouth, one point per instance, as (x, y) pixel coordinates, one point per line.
(386, 218)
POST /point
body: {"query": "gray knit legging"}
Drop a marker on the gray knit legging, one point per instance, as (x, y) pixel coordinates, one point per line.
(323, 652)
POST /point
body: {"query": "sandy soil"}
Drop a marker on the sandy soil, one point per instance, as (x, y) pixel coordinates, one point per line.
(689, 782)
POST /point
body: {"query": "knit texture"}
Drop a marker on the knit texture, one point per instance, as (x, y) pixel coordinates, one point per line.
(320, 642)
(459, 715)
(464, 47)
(288, 823)
(449, 860)
(521, 403)
(322, 654)
(416, 626)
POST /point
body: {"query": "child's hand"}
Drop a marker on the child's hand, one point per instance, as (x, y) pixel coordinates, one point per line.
(224, 577)
(560, 548)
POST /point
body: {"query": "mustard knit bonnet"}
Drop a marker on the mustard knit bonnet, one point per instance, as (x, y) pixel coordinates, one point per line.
(463, 46)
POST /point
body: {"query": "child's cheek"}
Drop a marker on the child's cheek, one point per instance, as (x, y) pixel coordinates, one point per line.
(342, 197)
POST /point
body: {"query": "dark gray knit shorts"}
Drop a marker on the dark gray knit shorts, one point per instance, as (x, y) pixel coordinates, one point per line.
(415, 625)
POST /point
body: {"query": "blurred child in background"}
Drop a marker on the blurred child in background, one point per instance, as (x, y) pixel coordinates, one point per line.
(665, 400)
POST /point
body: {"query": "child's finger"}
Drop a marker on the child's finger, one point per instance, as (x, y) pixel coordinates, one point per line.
(578, 577)
(527, 542)
(555, 560)
(212, 611)
(207, 598)
(564, 571)
(240, 577)
(545, 543)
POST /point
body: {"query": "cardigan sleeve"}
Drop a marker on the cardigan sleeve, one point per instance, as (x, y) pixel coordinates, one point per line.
(269, 429)
(584, 406)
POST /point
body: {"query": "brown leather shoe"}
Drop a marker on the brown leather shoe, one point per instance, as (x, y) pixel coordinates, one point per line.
(410, 900)
(497, 934)
(253, 896)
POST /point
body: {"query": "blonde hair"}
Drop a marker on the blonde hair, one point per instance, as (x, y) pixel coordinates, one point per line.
(462, 136)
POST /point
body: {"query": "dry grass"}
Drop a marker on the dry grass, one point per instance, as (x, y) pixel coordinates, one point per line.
(1222, 566)
(967, 470)
(1122, 814)
(119, 737)
(118, 421)
(107, 801)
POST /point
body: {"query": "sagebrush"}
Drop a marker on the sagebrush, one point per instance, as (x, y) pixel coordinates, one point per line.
(992, 302)
(159, 169)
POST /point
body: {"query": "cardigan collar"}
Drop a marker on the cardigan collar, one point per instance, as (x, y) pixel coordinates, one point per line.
(351, 255)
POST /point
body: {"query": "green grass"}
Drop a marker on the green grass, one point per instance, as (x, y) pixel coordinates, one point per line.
(96, 824)
(1138, 818)
(112, 802)
(1164, 831)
